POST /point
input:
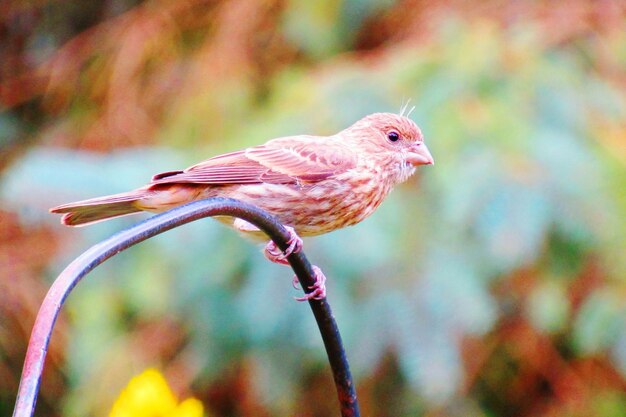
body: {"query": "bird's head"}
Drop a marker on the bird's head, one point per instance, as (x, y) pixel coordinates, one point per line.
(393, 139)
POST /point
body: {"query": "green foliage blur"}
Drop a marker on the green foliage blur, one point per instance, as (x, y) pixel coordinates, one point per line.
(491, 284)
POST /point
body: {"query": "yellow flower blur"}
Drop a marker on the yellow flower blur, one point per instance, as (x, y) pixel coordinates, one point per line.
(148, 395)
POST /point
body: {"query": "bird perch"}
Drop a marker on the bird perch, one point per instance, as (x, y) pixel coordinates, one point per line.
(97, 254)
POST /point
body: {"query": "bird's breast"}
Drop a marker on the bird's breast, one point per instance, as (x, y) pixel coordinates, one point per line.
(319, 207)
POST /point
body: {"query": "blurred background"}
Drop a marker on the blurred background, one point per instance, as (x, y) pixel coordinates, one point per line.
(491, 284)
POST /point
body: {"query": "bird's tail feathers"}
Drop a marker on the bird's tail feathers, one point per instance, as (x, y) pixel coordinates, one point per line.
(82, 213)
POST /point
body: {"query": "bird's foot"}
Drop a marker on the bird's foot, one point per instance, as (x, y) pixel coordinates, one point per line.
(273, 252)
(319, 288)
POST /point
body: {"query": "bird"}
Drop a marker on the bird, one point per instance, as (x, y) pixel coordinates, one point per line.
(311, 184)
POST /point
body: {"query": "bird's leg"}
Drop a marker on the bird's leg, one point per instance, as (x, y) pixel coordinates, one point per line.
(319, 288)
(273, 252)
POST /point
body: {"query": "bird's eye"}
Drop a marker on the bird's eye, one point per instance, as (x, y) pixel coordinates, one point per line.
(393, 136)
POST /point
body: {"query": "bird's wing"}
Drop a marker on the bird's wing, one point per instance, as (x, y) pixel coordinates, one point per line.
(280, 161)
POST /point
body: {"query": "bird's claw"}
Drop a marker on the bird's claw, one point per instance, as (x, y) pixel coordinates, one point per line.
(273, 252)
(295, 282)
(319, 288)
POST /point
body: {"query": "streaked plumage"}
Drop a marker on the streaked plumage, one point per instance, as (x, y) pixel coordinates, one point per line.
(315, 184)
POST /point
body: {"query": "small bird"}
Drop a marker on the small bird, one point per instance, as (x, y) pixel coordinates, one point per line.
(312, 184)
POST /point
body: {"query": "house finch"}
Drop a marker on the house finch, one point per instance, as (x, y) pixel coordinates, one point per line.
(312, 184)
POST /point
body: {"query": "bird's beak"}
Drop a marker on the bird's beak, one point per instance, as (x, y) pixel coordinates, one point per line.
(420, 155)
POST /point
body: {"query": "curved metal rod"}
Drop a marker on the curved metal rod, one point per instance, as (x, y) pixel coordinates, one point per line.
(100, 252)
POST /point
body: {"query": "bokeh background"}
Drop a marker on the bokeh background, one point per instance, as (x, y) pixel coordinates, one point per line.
(491, 284)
